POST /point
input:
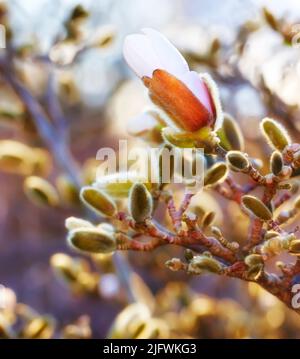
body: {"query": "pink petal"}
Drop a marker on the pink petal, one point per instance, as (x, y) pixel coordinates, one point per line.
(192, 80)
(170, 58)
(139, 55)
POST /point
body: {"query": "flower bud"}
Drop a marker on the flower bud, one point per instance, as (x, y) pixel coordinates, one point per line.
(92, 240)
(98, 201)
(125, 324)
(237, 161)
(256, 207)
(40, 327)
(230, 134)
(254, 259)
(201, 264)
(294, 247)
(40, 191)
(215, 174)
(275, 134)
(140, 202)
(276, 163)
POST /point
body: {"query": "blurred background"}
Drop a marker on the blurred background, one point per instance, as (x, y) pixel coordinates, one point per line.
(67, 57)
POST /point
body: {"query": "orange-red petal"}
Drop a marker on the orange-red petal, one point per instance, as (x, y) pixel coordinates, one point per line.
(178, 101)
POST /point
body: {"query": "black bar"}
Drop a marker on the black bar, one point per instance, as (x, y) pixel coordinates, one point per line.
(148, 348)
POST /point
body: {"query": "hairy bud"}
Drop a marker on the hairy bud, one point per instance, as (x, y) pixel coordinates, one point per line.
(256, 207)
(140, 202)
(276, 163)
(275, 134)
(92, 240)
(40, 191)
(237, 161)
(201, 264)
(215, 174)
(230, 134)
(98, 201)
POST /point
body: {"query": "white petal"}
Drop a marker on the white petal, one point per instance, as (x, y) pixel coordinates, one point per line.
(140, 56)
(170, 58)
(193, 81)
(141, 123)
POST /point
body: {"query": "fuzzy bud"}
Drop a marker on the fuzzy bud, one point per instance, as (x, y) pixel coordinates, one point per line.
(201, 264)
(237, 161)
(215, 174)
(294, 247)
(257, 208)
(98, 201)
(275, 134)
(230, 134)
(276, 163)
(40, 191)
(140, 202)
(92, 240)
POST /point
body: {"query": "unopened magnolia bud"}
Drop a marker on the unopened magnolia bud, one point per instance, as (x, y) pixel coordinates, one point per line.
(40, 191)
(74, 223)
(215, 174)
(253, 259)
(276, 163)
(237, 161)
(98, 201)
(16, 157)
(231, 135)
(208, 219)
(140, 202)
(64, 267)
(153, 329)
(275, 134)
(294, 247)
(201, 264)
(124, 326)
(256, 207)
(274, 245)
(92, 240)
(39, 328)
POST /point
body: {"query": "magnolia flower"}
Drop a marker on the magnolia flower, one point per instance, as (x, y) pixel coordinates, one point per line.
(189, 99)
